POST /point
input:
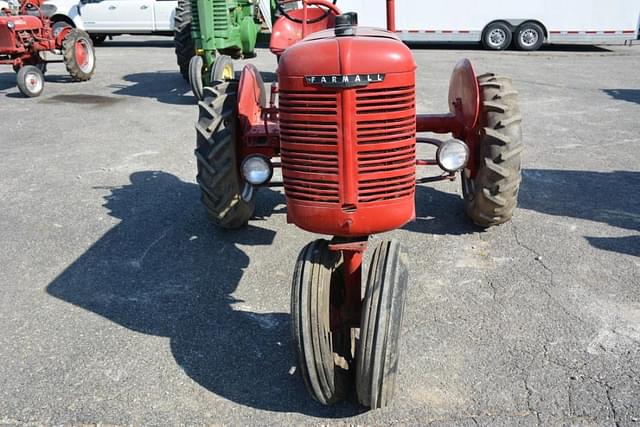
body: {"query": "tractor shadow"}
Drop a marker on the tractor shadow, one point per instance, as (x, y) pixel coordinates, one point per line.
(606, 197)
(164, 271)
(439, 212)
(165, 86)
(628, 95)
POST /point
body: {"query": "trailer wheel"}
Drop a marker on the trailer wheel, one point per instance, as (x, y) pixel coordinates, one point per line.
(30, 81)
(195, 76)
(382, 309)
(79, 55)
(182, 40)
(529, 36)
(324, 356)
(491, 197)
(497, 36)
(228, 199)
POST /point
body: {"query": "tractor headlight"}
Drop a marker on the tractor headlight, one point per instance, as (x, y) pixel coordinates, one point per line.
(11, 25)
(256, 169)
(452, 155)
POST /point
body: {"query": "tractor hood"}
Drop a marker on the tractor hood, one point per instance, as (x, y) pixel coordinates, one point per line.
(367, 51)
(21, 22)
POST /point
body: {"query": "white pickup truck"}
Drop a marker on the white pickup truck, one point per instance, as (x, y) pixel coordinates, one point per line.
(102, 18)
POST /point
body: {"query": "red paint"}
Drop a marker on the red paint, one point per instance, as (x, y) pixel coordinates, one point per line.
(348, 155)
(391, 15)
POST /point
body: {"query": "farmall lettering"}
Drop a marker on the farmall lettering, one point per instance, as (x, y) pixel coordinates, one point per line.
(345, 80)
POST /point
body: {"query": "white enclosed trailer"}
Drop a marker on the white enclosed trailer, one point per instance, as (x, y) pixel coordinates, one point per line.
(496, 23)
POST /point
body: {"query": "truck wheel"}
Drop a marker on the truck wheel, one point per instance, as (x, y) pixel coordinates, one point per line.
(182, 40)
(491, 197)
(497, 36)
(195, 76)
(98, 39)
(228, 199)
(381, 319)
(529, 36)
(324, 356)
(79, 55)
(30, 81)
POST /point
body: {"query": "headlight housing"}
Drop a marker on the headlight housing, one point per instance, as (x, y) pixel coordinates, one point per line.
(452, 155)
(256, 169)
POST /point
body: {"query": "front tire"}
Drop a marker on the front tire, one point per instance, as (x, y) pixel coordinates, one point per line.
(79, 55)
(30, 81)
(228, 199)
(381, 319)
(324, 356)
(182, 40)
(491, 197)
(497, 36)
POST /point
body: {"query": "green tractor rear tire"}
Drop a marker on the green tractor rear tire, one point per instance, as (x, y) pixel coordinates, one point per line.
(183, 42)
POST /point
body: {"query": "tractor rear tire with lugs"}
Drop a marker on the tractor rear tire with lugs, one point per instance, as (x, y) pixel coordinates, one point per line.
(229, 200)
(491, 197)
(183, 42)
(79, 55)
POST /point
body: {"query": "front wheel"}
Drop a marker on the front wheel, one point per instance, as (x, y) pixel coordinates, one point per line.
(30, 81)
(497, 36)
(324, 353)
(491, 196)
(381, 319)
(79, 55)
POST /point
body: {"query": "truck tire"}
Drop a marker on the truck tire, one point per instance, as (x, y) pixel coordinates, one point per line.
(98, 39)
(497, 36)
(228, 199)
(184, 46)
(491, 197)
(529, 36)
(79, 56)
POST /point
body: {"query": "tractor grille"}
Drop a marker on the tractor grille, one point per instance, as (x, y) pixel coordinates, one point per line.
(386, 147)
(220, 15)
(195, 22)
(309, 145)
(384, 144)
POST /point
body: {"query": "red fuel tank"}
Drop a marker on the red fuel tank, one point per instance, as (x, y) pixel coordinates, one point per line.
(347, 132)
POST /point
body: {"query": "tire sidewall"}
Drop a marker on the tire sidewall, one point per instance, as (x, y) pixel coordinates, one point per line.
(23, 73)
(497, 27)
(529, 26)
(77, 72)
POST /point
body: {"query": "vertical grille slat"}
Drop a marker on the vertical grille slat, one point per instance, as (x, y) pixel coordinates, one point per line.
(386, 147)
(309, 145)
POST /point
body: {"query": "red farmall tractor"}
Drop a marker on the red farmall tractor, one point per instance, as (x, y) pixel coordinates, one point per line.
(342, 119)
(27, 36)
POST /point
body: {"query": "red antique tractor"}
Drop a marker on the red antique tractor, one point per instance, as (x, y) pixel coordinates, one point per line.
(26, 36)
(342, 119)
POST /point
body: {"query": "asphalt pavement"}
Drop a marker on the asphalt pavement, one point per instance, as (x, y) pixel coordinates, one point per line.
(121, 305)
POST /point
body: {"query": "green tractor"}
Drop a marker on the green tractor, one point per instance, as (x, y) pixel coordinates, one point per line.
(208, 34)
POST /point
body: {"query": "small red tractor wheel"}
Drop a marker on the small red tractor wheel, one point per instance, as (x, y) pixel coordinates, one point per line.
(195, 76)
(79, 55)
(30, 81)
(324, 355)
(228, 198)
(491, 197)
(382, 309)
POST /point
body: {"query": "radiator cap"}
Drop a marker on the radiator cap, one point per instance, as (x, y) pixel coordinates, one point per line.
(345, 24)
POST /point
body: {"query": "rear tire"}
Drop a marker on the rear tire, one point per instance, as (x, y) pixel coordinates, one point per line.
(497, 36)
(79, 56)
(491, 197)
(381, 320)
(529, 36)
(228, 199)
(30, 81)
(182, 40)
(324, 357)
